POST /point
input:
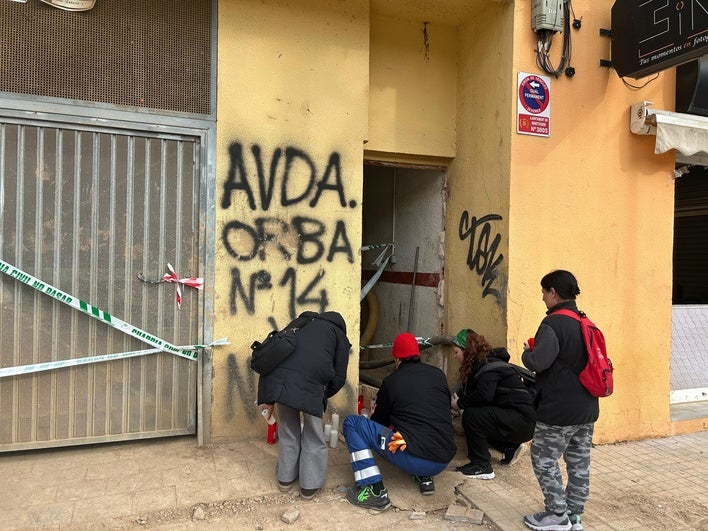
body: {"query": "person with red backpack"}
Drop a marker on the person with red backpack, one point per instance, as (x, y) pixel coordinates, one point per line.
(565, 411)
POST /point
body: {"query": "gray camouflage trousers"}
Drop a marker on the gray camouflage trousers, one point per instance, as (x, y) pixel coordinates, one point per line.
(573, 443)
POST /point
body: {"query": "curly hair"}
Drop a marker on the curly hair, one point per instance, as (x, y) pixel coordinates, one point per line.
(477, 349)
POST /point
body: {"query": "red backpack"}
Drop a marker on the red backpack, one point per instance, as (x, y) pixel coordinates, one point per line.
(596, 377)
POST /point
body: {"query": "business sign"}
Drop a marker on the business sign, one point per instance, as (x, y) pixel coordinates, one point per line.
(72, 5)
(652, 35)
(533, 106)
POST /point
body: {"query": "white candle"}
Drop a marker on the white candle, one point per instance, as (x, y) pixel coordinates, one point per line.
(270, 420)
(333, 438)
(327, 431)
(335, 421)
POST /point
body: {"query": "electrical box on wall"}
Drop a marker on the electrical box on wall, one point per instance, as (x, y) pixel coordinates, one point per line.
(547, 15)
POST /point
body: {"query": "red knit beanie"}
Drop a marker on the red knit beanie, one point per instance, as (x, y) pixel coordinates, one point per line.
(405, 346)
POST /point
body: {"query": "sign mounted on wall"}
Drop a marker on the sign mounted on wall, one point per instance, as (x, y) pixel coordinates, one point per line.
(652, 35)
(533, 105)
(72, 5)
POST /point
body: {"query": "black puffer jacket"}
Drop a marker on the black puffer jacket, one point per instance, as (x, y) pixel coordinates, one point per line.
(315, 371)
(557, 358)
(415, 400)
(501, 387)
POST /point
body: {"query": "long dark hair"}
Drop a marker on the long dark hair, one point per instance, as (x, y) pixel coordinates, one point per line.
(477, 349)
(563, 282)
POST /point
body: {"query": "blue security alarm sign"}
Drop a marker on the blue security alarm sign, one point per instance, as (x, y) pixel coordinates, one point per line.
(533, 110)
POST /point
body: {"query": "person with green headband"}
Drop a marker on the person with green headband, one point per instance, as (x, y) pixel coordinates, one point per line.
(497, 408)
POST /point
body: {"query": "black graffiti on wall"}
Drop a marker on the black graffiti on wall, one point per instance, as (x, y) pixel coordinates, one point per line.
(482, 256)
(246, 241)
(292, 190)
(242, 387)
(284, 227)
(261, 281)
(242, 384)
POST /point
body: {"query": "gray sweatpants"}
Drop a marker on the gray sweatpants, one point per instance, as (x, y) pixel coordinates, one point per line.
(302, 453)
(573, 443)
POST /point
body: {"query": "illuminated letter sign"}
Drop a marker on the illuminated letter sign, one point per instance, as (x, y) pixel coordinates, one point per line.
(652, 35)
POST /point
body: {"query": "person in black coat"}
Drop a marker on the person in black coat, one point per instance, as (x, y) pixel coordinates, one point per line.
(301, 385)
(497, 408)
(410, 427)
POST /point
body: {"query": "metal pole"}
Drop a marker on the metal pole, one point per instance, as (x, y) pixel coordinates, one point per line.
(410, 304)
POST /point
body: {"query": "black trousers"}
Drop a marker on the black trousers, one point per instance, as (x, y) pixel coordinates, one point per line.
(494, 426)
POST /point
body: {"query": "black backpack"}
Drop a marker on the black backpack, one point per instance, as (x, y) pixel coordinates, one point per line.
(266, 355)
(528, 378)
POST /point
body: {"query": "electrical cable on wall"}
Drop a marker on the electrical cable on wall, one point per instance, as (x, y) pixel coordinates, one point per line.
(545, 39)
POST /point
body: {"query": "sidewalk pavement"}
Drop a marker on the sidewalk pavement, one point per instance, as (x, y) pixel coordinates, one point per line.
(650, 484)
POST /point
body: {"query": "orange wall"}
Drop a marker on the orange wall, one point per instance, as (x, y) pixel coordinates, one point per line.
(594, 199)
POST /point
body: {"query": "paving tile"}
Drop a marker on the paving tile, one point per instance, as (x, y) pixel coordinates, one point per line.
(152, 500)
(203, 491)
(78, 490)
(51, 515)
(111, 506)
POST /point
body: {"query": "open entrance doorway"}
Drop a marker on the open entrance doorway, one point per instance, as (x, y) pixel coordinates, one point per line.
(402, 261)
(689, 331)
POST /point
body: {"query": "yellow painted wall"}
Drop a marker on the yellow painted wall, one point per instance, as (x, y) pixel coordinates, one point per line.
(322, 77)
(293, 85)
(477, 246)
(413, 87)
(594, 199)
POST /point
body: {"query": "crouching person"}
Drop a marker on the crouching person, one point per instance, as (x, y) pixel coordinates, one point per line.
(411, 427)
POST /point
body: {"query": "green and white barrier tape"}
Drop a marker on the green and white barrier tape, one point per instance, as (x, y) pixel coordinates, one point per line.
(189, 352)
(48, 365)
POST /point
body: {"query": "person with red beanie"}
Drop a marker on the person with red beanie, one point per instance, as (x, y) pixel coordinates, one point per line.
(411, 427)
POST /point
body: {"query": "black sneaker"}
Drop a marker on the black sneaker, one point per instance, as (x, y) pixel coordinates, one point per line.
(308, 494)
(462, 467)
(478, 471)
(365, 496)
(512, 455)
(285, 486)
(425, 484)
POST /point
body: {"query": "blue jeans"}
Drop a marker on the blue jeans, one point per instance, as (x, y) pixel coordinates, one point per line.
(363, 439)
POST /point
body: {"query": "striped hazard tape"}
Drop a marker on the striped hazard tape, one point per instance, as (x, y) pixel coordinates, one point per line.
(159, 345)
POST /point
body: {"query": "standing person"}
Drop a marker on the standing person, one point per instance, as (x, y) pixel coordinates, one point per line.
(411, 427)
(301, 385)
(497, 408)
(566, 412)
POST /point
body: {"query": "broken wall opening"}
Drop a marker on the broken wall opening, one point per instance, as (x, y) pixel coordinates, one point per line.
(405, 206)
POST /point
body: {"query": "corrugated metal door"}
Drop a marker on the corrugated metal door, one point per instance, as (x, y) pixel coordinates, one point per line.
(88, 211)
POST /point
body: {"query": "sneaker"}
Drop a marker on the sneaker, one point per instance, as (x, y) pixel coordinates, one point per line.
(285, 486)
(512, 455)
(461, 467)
(478, 471)
(365, 496)
(425, 484)
(308, 494)
(575, 522)
(548, 521)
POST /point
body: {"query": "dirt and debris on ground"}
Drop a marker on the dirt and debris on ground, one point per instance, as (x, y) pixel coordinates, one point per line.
(327, 510)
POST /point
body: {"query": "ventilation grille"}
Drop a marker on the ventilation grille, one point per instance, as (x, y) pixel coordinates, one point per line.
(138, 53)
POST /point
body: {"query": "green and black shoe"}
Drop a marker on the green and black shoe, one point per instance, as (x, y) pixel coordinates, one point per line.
(365, 496)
